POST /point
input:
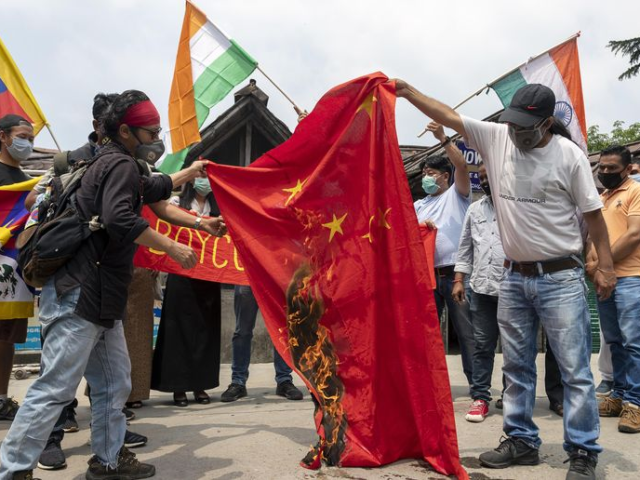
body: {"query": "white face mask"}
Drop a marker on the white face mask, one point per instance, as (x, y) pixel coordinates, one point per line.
(20, 148)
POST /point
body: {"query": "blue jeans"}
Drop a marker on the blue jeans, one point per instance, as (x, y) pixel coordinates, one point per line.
(559, 301)
(460, 316)
(484, 314)
(484, 317)
(620, 323)
(73, 347)
(246, 309)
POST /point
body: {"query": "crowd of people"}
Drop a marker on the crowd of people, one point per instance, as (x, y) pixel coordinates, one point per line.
(506, 265)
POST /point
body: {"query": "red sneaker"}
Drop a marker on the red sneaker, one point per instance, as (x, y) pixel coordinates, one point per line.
(478, 411)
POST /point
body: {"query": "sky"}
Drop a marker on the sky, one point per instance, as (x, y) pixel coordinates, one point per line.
(68, 50)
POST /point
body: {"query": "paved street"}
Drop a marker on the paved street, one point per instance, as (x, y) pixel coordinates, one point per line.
(264, 437)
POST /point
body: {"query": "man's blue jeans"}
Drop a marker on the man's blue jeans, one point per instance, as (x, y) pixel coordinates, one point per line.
(620, 324)
(484, 317)
(246, 309)
(73, 347)
(559, 301)
(460, 316)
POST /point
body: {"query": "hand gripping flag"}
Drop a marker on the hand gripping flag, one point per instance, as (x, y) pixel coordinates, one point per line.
(16, 299)
(327, 232)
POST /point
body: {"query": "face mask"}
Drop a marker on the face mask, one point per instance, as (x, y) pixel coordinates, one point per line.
(610, 180)
(527, 139)
(150, 152)
(429, 185)
(636, 177)
(20, 149)
(202, 186)
(486, 188)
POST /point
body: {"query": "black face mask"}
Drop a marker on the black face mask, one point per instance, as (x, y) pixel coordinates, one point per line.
(610, 180)
(486, 188)
(149, 152)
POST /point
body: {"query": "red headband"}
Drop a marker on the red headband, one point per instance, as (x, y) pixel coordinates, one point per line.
(141, 114)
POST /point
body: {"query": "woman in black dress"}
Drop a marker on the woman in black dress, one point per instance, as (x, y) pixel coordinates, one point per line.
(187, 354)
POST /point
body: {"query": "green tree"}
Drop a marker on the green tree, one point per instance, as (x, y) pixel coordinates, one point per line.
(630, 48)
(620, 135)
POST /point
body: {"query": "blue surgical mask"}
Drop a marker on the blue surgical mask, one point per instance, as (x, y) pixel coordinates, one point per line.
(202, 186)
(20, 149)
(429, 185)
(636, 177)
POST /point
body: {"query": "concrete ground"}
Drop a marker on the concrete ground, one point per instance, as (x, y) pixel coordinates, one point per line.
(264, 437)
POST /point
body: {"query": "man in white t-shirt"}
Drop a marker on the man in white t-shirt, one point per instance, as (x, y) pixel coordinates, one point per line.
(444, 208)
(538, 179)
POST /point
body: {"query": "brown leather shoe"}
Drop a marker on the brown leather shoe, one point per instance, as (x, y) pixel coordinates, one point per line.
(610, 407)
(629, 419)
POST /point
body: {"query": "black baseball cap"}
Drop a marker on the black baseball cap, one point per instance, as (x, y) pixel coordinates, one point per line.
(529, 105)
(9, 121)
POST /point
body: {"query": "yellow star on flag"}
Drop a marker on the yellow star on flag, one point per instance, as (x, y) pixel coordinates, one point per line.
(368, 235)
(382, 222)
(367, 105)
(294, 190)
(335, 226)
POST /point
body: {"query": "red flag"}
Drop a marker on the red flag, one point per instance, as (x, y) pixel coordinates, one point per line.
(218, 259)
(326, 229)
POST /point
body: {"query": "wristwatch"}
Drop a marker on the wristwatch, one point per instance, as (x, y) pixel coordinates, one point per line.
(196, 225)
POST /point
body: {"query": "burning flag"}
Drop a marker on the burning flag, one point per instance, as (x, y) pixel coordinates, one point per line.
(326, 230)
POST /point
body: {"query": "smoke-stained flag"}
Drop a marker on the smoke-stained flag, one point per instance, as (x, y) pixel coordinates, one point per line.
(558, 69)
(208, 66)
(15, 95)
(327, 232)
(16, 300)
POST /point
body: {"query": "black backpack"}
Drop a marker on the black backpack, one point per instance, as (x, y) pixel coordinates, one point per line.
(49, 244)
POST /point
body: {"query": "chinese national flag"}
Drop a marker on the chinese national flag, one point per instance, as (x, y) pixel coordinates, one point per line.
(326, 229)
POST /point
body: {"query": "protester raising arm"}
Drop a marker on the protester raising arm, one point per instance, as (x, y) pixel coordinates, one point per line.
(461, 175)
(172, 214)
(604, 276)
(431, 107)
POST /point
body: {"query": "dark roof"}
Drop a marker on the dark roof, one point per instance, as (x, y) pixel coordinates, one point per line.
(250, 106)
(40, 159)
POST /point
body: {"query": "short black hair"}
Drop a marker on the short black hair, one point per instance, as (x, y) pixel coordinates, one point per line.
(101, 102)
(112, 119)
(635, 160)
(621, 151)
(437, 162)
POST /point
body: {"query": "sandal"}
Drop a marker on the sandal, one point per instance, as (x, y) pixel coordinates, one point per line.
(180, 399)
(201, 397)
(136, 404)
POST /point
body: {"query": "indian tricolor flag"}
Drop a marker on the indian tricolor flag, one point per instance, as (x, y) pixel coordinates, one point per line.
(208, 66)
(558, 69)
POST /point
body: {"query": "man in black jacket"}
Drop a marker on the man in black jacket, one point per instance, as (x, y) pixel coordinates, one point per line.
(83, 303)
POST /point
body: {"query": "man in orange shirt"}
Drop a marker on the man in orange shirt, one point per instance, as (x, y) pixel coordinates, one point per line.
(620, 313)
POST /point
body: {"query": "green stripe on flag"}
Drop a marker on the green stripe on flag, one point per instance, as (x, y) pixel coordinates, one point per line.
(172, 163)
(220, 77)
(508, 86)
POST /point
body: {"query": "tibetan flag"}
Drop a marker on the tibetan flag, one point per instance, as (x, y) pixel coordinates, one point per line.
(208, 67)
(325, 226)
(16, 299)
(15, 95)
(558, 69)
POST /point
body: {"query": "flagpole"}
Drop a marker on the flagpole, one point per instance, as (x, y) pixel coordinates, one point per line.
(53, 136)
(488, 85)
(295, 107)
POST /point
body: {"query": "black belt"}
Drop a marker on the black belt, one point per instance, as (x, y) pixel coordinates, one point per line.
(444, 271)
(533, 269)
